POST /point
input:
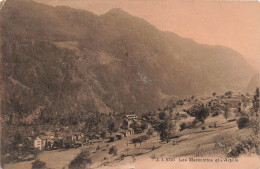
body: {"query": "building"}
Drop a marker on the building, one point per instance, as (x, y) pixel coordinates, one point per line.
(37, 143)
(131, 131)
(119, 136)
(67, 141)
(126, 132)
(129, 119)
(131, 116)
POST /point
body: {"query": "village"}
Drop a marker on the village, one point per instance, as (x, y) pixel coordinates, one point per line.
(137, 134)
(51, 141)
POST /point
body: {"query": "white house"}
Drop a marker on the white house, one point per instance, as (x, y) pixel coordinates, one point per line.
(38, 143)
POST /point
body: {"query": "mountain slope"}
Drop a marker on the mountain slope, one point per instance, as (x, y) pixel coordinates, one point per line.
(60, 61)
(253, 84)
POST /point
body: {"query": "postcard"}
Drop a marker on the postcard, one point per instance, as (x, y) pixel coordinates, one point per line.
(130, 84)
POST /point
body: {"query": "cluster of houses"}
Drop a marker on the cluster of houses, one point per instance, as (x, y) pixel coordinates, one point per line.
(49, 140)
(222, 101)
(131, 125)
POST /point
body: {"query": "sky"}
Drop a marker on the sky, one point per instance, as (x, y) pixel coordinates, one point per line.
(235, 24)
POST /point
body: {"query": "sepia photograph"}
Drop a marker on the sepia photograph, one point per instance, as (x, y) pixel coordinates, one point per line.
(129, 84)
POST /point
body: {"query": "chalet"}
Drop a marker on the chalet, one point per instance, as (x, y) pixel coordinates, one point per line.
(37, 143)
(130, 121)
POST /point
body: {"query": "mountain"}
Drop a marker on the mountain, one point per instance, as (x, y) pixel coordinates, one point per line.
(253, 84)
(58, 61)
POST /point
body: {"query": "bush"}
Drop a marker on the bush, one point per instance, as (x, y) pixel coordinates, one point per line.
(242, 122)
(112, 150)
(37, 164)
(183, 126)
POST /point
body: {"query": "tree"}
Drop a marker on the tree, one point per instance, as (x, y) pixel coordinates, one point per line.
(199, 112)
(149, 132)
(140, 139)
(228, 94)
(256, 102)
(111, 126)
(112, 150)
(81, 160)
(243, 122)
(36, 152)
(226, 112)
(37, 164)
(165, 129)
(103, 134)
(98, 148)
(17, 138)
(170, 114)
(162, 115)
(183, 126)
(256, 120)
(214, 94)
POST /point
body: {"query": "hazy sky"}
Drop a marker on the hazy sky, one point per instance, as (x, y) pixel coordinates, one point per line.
(228, 23)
